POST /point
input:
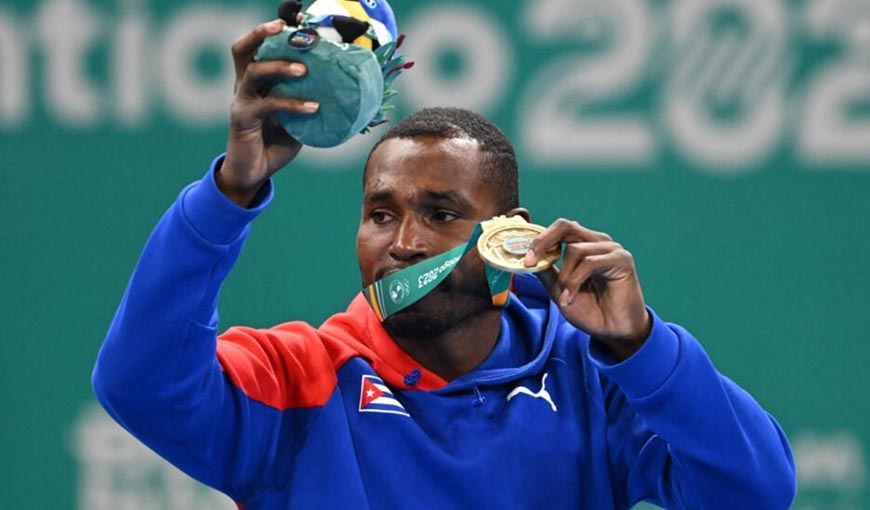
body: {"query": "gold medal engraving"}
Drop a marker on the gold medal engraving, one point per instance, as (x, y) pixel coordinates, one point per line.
(505, 241)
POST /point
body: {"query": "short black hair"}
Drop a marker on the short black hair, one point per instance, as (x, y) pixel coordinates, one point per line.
(499, 166)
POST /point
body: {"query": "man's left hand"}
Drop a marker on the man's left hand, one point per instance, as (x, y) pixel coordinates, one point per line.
(597, 287)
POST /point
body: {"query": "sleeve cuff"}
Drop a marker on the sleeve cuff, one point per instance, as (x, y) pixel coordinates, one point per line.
(215, 217)
(648, 368)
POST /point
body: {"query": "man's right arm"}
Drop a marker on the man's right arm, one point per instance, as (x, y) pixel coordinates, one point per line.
(157, 372)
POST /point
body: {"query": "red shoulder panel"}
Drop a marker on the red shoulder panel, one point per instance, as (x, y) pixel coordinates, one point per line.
(294, 365)
(285, 367)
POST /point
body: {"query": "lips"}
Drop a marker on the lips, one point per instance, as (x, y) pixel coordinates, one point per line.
(384, 272)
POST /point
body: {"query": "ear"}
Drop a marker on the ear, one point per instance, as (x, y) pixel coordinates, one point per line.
(289, 11)
(520, 211)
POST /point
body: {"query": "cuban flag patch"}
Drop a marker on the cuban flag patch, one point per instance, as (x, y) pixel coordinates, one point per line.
(375, 397)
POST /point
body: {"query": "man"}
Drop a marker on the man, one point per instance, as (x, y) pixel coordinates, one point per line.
(573, 396)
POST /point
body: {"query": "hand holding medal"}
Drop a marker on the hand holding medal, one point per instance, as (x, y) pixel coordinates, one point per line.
(596, 288)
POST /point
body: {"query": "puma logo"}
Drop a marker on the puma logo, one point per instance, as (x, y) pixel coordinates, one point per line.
(543, 394)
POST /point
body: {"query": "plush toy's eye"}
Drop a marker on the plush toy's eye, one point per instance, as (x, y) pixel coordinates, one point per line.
(350, 28)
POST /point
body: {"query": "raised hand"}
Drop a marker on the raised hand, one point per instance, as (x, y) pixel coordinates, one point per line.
(257, 146)
(597, 287)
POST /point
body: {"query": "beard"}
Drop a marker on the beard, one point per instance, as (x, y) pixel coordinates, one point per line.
(461, 296)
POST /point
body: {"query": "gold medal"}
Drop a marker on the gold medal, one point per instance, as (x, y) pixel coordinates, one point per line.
(505, 241)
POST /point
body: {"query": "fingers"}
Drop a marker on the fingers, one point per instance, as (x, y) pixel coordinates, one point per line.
(580, 263)
(252, 105)
(576, 252)
(561, 231)
(586, 266)
(253, 80)
(593, 273)
(246, 46)
(259, 74)
(265, 107)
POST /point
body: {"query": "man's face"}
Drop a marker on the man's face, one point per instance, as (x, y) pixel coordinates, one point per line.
(421, 197)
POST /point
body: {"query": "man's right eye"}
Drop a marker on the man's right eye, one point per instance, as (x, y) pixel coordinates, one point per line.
(380, 217)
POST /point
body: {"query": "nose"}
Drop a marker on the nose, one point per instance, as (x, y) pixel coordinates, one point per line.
(409, 244)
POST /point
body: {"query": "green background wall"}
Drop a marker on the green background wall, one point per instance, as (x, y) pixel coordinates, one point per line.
(726, 143)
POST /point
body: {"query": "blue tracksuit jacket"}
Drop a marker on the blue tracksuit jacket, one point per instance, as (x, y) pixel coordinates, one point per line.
(340, 417)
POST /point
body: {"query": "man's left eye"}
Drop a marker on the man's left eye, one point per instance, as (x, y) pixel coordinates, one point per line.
(445, 216)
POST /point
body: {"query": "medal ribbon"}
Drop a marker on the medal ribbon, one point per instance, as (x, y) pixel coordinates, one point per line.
(395, 292)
